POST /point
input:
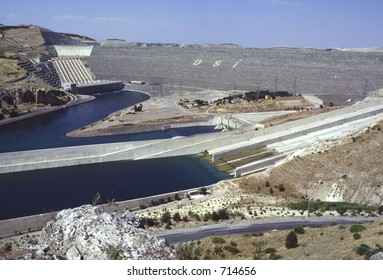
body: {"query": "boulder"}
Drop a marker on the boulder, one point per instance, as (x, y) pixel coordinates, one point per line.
(89, 233)
(377, 256)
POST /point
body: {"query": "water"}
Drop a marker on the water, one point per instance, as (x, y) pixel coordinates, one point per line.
(39, 191)
(49, 130)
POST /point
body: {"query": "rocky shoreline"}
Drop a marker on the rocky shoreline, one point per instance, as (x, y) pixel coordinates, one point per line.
(75, 100)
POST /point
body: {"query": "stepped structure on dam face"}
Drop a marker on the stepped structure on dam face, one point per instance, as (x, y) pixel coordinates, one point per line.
(64, 65)
(75, 76)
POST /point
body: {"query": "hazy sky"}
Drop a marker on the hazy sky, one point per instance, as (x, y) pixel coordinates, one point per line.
(250, 23)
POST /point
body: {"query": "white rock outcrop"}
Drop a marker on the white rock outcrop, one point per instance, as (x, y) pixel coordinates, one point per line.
(89, 233)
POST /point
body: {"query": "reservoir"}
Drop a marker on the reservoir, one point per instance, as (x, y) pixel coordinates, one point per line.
(39, 191)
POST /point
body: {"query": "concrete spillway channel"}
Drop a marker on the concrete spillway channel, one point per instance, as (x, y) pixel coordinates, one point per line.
(291, 138)
(230, 163)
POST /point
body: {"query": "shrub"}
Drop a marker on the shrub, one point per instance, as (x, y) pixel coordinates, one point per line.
(357, 228)
(299, 230)
(218, 240)
(166, 217)
(291, 240)
(274, 256)
(177, 217)
(223, 214)
(232, 249)
(168, 225)
(114, 253)
(96, 199)
(281, 188)
(363, 249)
(151, 222)
(185, 219)
(270, 250)
(380, 209)
(356, 236)
(8, 247)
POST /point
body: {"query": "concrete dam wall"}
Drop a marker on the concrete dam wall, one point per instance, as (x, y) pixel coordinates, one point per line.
(321, 72)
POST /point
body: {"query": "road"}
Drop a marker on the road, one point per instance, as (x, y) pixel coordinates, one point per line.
(253, 226)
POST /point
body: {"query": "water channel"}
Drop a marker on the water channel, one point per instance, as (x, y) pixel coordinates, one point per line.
(39, 191)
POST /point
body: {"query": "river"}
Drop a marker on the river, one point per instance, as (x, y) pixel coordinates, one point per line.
(33, 192)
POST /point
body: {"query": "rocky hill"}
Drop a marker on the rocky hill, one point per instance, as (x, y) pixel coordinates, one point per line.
(347, 169)
(89, 233)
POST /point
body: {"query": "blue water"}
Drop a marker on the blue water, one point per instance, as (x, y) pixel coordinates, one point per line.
(49, 131)
(39, 191)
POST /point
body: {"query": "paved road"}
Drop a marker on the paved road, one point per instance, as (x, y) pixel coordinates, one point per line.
(253, 226)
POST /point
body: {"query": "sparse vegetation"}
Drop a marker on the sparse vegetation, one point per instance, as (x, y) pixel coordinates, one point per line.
(96, 199)
(114, 253)
(218, 240)
(356, 236)
(299, 230)
(357, 228)
(291, 240)
(362, 249)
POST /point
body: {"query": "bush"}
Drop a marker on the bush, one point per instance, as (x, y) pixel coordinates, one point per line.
(177, 217)
(166, 217)
(232, 249)
(275, 256)
(363, 249)
(357, 228)
(380, 209)
(218, 240)
(299, 230)
(281, 188)
(150, 222)
(114, 253)
(356, 236)
(270, 250)
(291, 240)
(8, 247)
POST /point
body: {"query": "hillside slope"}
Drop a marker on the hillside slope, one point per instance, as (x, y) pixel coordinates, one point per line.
(347, 169)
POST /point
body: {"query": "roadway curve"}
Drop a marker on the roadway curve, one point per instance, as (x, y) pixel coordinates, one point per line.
(253, 226)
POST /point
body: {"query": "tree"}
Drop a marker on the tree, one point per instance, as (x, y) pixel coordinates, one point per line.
(291, 240)
(380, 209)
(177, 217)
(203, 191)
(96, 199)
(166, 217)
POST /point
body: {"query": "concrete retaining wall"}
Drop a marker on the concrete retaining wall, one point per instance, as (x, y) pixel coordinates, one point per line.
(257, 166)
(74, 50)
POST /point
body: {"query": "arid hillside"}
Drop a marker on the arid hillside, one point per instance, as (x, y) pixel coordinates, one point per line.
(347, 169)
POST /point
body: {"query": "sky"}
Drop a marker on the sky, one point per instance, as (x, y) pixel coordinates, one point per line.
(249, 23)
